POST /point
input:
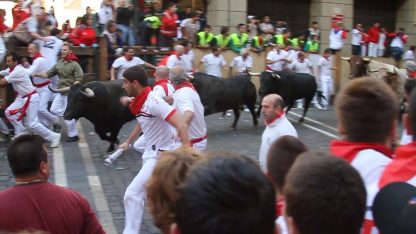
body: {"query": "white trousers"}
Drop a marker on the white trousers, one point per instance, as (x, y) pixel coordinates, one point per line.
(380, 52)
(140, 144)
(135, 195)
(3, 50)
(372, 49)
(58, 108)
(326, 88)
(45, 117)
(30, 122)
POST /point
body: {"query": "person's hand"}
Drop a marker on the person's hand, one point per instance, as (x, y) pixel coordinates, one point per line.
(125, 145)
(124, 100)
(82, 45)
(95, 45)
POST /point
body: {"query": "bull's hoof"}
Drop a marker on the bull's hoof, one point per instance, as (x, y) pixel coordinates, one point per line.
(301, 120)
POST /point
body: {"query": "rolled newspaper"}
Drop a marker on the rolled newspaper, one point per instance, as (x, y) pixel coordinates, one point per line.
(114, 156)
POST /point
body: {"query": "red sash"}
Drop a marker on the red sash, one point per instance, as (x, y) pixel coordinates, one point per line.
(349, 150)
(137, 103)
(23, 109)
(43, 84)
(197, 140)
(185, 84)
(164, 84)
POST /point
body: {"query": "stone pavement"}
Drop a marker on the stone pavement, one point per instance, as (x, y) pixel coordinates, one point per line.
(80, 165)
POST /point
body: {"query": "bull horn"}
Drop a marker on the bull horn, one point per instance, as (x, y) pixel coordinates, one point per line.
(87, 92)
(61, 91)
(366, 59)
(254, 73)
(276, 76)
(346, 58)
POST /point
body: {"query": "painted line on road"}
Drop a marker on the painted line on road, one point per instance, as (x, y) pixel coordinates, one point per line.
(315, 121)
(100, 201)
(316, 129)
(59, 166)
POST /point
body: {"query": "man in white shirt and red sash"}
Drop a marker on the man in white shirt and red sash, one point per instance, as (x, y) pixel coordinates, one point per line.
(26, 102)
(155, 119)
(277, 125)
(366, 111)
(188, 102)
(40, 65)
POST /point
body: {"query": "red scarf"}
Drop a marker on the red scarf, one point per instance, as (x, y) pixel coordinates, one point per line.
(403, 167)
(279, 207)
(128, 59)
(71, 57)
(11, 69)
(349, 150)
(185, 84)
(137, 103)
(274, 119)
(412, 74)
(164, 83)
(37, 55)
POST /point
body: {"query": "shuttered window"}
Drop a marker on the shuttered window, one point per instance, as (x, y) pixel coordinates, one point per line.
(367, 12)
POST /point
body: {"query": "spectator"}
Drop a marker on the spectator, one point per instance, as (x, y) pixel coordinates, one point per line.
(190, 27)
(313, 31)
(242, 63)
(397, 44)
(213, 62)
(27, 206)
(367, 132)
(19, 14)
(252, 27)
(205, 38)
(364, 44)
(324, 195)
(356, 38)
(105, 14)
(373, 39)
(312, 46)
(202, 18)
(410, 54)
(277, 125)
(185, 14)
(125, 62)
(298, 42)
(394, 209)
(337, 37)
(168, 29)
(282, 38)
(162, 188)
(280, 27)
(151, 29)
(204, 206)
(381, 40)
(124, 16)
(30, 28)
(257, 43)
(239, 39)
(267, 28)
(114, 42)
(223, 39)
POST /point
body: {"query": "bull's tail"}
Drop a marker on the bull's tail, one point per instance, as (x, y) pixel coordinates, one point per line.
(320, 95)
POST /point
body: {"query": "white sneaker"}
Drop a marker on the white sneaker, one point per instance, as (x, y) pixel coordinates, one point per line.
(299, 105)
(55, 141)
(246, 110)
(228, 114)
(318, 106)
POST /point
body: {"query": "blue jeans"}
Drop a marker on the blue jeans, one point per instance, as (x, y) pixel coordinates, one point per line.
(397, 53)
(127, 34)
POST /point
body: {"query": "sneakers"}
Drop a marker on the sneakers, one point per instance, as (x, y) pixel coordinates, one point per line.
(318, 106)
(246, 110)
(56, 128)
(56, 140)
(72, 139)
(228, 114)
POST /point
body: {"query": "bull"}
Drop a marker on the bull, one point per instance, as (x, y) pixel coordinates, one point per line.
(290, 86)
(99, 103)
(219, 95)
(393, 76)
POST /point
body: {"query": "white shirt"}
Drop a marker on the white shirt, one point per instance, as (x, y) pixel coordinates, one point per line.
(242, 64)
(187, 99)
(409, 55)
(292, 55)
(105, 14)
(192, 27)
(50, 49)
(153, 121)
(381, 40)
(161, 92)
(397, 42)
(175, 60)
(336, 42)
(356, 37)
(272, 132)
(324, 66)
(188, 60)
(275, 55)
(301, 67)
(213, 64)
(20, 80)
(121, 64)
(39, 65)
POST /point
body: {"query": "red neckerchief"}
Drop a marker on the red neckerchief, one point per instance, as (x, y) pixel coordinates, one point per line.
(279, 207)
(71, 57)
(37, 55)
(412, 74)
(184, 84)
(137, 103)
(128, 59)
(164, 83)
(274, 119)
(403, 167)
(348, 150)
(11, 69)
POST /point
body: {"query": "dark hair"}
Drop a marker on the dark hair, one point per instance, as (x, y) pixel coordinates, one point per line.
(282, 154)
(327, 51)
(54, 32)
(224, 29)
(240, 25)
(412, 48)
(325, 195)
(226, 193)
(314, 22)
(366, 109)
(25, 153)
(214, 48)
(193, 14)
(136, 73)
(207, 26)
(14, 56)
(109, 23)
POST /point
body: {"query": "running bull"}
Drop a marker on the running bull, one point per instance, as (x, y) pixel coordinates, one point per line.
(99, 102)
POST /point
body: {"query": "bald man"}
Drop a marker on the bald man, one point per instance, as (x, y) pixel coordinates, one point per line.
(277, 125)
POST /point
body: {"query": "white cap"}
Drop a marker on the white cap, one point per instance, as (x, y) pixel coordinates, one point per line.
(250, 17)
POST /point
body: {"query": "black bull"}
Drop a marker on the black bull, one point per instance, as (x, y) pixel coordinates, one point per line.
(219, 95)
(99, 102)
(290, 86)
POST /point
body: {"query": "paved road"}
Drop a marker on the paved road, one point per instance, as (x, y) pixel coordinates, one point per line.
(80, 165)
